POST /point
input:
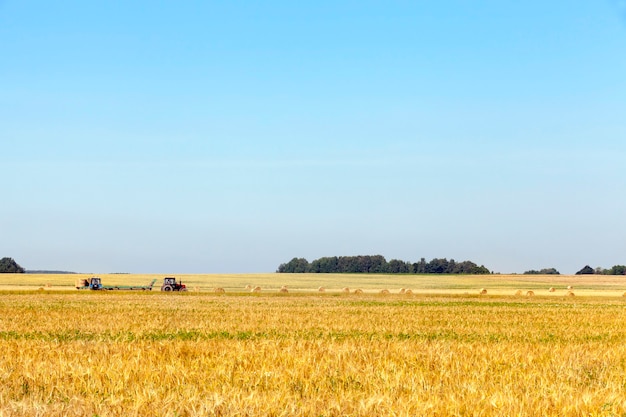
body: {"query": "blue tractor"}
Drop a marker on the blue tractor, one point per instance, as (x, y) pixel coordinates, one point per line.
(93, 283)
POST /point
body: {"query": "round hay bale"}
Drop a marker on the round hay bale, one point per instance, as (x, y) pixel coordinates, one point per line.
(483, 291)
(518, 292)
(248, 287)
(218, 290)
(321, 289)
(569, 287)
(283, 290)
(624, 295)
(530, 293)
(256, 289)
(408, 292)
(384, 291)
(358, 291)
(551, 289)
(346, 290)
(570, 293)
(402, 291)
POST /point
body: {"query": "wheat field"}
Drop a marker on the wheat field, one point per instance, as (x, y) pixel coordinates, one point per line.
(588, 285)
(115, 353)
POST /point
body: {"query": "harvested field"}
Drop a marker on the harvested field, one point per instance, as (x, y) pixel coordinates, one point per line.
(499, 285)
(76, 353)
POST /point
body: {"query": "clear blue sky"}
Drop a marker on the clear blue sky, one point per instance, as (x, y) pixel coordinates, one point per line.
(198, 136)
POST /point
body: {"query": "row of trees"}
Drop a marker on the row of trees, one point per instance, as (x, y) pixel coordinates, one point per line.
(614, 270)
(544, 271)
(9, 266)
(377, 264)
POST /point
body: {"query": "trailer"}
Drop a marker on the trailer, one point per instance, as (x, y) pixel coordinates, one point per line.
(95, 283)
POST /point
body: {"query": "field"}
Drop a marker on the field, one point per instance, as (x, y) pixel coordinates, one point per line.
(443, 350)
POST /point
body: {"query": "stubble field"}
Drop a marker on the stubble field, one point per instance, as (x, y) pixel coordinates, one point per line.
(441, 351)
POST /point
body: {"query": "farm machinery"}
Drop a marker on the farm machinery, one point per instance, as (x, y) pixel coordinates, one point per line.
(170, 284)
(95, 283)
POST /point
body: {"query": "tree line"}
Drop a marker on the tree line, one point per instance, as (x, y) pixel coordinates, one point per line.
(586, 270)
(614, 270)
(544, 271)
(377, 264)
(9, 266)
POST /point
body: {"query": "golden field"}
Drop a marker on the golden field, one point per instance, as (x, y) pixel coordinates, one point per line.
(588, 285)
(436, 352)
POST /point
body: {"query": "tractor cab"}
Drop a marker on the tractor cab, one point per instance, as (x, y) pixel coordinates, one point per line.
(95, 283)
(170, 284)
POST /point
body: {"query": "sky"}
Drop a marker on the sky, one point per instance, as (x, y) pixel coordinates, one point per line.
(230, 137)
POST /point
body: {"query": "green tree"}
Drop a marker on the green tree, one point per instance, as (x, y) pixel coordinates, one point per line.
(617, 270)
(587, 270)
(8, 265)
(324, 265)
(396, 266)
(296, 265)
(420, 267)
(437, 266)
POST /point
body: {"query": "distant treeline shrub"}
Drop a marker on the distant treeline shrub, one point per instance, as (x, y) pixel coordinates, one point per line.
(614, 270)
(377, 264)
(545, 271)
(8, 265)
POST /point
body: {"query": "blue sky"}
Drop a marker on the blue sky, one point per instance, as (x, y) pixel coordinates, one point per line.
(216, 137)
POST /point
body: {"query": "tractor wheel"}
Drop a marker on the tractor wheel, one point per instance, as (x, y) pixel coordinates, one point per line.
(167, 288)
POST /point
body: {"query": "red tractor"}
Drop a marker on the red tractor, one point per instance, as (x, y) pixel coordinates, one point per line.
(170, 284)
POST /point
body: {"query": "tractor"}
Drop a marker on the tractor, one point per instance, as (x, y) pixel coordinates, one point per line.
(93, 283)
(170, 284)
